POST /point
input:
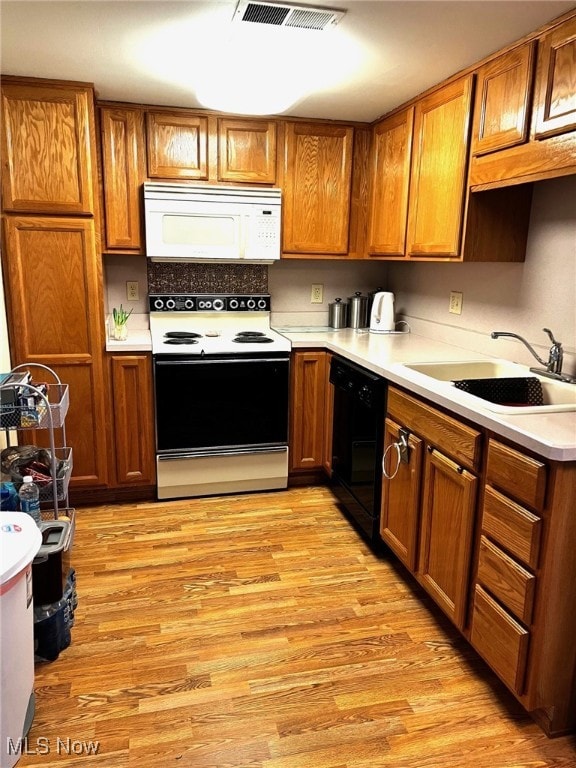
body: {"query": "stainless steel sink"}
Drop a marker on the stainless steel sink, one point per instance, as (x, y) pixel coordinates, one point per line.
(557, 396)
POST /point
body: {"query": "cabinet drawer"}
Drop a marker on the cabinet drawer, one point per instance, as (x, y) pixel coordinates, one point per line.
(506, 580)
(511, 526)
(521, 476)
(499, 639)
(459, 441)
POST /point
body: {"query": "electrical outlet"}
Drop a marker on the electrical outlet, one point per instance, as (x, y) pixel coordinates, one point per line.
(132, 291)
(455, 303)
(316, 296)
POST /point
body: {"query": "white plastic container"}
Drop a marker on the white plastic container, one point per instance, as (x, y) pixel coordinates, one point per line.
(20, 540)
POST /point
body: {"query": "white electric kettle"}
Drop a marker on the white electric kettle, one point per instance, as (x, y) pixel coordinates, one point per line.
(382, 314)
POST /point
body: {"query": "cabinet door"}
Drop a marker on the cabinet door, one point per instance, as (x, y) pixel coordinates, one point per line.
(56, 318)
(247, 151)
(555, 96)
(133, 419)
(328, 418)
(177, 146)
(446, 534)
(439, 167)
(47, 148)
(124, 170)
(392, 150)
(317, 181)
(401, 496)
(502, 100)
(308, 390)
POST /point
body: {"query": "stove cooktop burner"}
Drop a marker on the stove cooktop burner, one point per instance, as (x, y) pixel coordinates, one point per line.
(182, 335)
(181, 340)
(252, 339)
(250, 334)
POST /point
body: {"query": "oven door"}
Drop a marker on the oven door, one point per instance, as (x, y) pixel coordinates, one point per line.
(215, 404)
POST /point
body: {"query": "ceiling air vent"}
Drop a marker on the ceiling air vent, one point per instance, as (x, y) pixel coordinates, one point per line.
(284, 15)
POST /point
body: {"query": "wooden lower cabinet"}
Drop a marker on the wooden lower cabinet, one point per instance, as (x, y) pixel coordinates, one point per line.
(492, 541)
(308, 410)
(54, 292)
(429, 501)
(328, 419)
(401, 495)
(447, 527)
(132, 404)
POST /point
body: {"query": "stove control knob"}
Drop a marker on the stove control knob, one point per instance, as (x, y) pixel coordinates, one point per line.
(189, 304)
(233, 304)
(250, 303)
(170, 303)
(158, 303)
(218, 304)
(261, 303)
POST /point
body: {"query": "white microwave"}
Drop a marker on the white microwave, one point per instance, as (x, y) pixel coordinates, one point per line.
(202, 223)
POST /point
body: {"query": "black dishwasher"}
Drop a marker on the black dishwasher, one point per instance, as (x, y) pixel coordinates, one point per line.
(357, 443)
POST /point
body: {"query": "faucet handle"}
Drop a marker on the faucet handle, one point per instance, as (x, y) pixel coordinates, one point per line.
(551, 335)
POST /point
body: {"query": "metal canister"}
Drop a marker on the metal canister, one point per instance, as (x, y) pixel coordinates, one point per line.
(338, 314)
(358, 313)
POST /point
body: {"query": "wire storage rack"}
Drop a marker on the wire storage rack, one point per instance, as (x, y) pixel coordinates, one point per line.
(28, 406)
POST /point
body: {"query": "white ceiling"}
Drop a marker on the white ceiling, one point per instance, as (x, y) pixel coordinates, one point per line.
(393, 49)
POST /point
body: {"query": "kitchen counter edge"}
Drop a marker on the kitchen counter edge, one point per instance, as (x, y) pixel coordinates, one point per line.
(552, 435)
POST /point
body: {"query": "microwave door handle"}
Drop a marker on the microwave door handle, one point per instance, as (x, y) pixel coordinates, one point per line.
(243, 234)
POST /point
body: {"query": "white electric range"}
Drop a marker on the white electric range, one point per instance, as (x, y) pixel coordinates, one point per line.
(221, 378)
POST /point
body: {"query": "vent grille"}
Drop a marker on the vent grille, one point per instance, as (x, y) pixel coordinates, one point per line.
(298, 17)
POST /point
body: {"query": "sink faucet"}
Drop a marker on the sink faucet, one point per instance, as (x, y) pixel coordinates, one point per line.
(553, 365)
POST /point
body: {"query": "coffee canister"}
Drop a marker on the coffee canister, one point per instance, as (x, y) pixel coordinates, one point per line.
(338, 314)
(358, 312)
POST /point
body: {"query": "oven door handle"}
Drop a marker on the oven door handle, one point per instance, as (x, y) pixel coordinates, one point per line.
(212, 454)
(228, 361)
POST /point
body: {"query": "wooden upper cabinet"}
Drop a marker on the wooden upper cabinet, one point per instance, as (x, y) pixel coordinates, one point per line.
(47, 148)
(501, 117)
(439, 170)
(317, 188)
(124, 170)
(247, 151)
(555, 95)
(177, 146)
(392, 149)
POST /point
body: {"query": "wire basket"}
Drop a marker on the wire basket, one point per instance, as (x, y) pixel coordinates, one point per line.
(36, 412)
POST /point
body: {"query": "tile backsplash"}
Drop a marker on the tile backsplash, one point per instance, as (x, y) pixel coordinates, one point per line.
(207, 278)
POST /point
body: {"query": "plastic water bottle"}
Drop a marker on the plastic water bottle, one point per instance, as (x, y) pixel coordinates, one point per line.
(30, 499)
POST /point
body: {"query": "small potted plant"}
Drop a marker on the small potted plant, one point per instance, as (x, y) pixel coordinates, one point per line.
(120, 317)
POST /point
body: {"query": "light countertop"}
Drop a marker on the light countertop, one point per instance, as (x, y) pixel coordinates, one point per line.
(139, 340)
(552, 435)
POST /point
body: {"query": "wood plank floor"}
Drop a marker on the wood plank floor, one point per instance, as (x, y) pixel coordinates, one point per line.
(259, 631)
